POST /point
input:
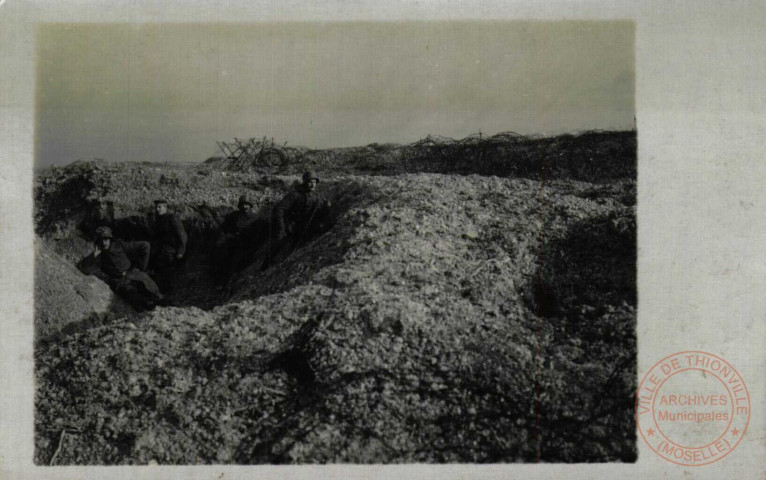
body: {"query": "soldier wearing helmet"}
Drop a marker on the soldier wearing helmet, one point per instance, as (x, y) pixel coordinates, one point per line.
(122, 266)
(233, 250)
(299, 216)
(302, 209)
(241, 219)
(310, 180)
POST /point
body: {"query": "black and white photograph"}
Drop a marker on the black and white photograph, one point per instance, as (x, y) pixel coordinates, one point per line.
(410, 239)
(335, 242)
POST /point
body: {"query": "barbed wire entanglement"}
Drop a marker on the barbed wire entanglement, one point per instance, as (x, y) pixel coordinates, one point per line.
(589, 156)
(252, 154)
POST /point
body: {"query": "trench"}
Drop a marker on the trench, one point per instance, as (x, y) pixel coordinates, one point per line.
(585, 289)
(593, 264)
(213, 272)
(560, 288)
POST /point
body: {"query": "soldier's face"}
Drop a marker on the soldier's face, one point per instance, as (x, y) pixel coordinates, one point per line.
(311, 185)
(104, 243)
(245, 207)
(161, 209)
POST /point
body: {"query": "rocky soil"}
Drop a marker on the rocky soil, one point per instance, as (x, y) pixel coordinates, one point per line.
(67, 301)
(442, 318)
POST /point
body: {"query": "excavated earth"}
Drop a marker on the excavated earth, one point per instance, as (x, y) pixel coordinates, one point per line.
(442, 318)
(88, 300)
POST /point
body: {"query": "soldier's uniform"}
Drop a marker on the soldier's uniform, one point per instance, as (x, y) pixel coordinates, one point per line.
(169, 239)
(298, 217)
(238, 222)
(301, 212)
(127, 278)
(233, 250)
(168, 244)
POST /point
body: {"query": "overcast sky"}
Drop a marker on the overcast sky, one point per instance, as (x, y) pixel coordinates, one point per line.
(169, 92)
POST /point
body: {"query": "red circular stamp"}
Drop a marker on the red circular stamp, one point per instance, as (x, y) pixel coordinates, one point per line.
(692, 408)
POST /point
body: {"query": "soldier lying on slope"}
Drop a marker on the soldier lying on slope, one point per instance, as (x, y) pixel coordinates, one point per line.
(110, 261)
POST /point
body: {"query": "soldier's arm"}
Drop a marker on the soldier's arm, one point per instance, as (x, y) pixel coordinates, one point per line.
(89, 266)
(322, 212)
(138, 251)
(279, 213)
(180, 233)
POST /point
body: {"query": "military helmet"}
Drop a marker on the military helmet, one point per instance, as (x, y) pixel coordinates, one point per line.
(160, 200)
(104, 232)
(310, 175)
(244, 199)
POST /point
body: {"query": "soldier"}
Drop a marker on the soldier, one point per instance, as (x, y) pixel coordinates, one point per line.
(233, 249)
(300, 215)
(302, 211)
(169, 245)
(110, 261)
(239, 221)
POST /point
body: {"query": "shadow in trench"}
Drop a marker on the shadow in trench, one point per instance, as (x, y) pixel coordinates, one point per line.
(586, 291)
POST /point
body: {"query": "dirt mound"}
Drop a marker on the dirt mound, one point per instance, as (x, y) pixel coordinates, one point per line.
(68, 301)
(441, 319)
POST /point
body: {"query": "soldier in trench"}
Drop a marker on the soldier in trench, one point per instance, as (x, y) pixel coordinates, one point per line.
(301, 215)
(111, 262)
(168, 245)
(234, 248)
